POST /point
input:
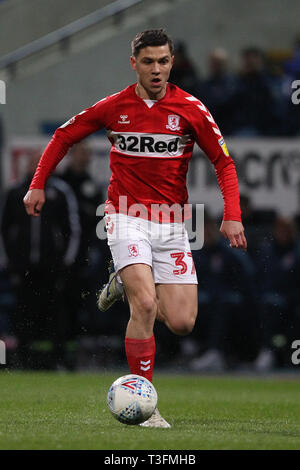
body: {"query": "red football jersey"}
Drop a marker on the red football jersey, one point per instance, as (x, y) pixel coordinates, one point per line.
(151, 148)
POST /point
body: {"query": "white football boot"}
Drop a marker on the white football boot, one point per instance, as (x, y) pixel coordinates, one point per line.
(111, 292)
(156, 421)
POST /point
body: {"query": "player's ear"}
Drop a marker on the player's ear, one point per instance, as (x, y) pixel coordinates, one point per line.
(133, 62)
(172, 60)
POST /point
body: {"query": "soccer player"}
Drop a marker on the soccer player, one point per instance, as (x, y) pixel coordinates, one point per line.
(152, 126)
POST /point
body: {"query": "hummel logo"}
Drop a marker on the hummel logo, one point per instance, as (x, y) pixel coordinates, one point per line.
(123, 119)
(145, 363)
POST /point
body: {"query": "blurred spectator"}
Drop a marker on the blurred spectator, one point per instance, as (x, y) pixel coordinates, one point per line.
(88, 195)
(89, 269)
(218, 88)
(1, 150)
(39, 251)
(279, 280)
(183, 73)
(292, 66)
(255, 110)
(226, 314)
(7, 307)
(257, 223)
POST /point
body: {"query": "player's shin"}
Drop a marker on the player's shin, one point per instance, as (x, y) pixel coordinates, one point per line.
(140, 355)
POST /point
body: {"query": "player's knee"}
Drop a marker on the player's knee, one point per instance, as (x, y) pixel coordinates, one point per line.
(145, 306)
(183, 326)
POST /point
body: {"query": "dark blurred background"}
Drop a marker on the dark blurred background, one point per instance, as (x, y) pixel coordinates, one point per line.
(244, 65)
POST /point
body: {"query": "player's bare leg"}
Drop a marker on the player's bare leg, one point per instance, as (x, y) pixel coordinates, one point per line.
(139, 341)
(141, 295)
(177, 306)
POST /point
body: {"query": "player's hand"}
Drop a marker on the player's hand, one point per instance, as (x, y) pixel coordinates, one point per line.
(234, 231)
(34, 201)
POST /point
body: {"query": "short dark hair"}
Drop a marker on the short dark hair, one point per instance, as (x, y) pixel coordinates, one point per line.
(151, 37)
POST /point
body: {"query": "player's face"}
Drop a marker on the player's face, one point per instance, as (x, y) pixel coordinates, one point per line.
(152, 65)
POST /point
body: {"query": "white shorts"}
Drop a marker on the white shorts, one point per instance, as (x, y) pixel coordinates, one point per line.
(164, 247)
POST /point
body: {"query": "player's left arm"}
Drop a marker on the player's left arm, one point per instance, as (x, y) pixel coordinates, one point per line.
(211, 141)
(234, 231)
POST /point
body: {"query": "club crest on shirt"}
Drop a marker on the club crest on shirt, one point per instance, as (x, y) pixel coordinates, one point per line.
(133, 250)
(173, 122)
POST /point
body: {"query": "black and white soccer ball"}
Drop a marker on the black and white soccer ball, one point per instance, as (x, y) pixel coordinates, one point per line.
(132, 399)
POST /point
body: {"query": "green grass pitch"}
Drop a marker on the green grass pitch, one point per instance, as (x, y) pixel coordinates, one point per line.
(68, 411)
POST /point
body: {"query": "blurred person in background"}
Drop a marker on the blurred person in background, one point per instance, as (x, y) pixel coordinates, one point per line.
(7, 298)
(39, 253)
(88, 268)
(217, 90)
(1, 150)
(278, 263)
(255, 111)
(183, 73)
(226, 286)
(292, 66)
(7, 307)
(257, 222)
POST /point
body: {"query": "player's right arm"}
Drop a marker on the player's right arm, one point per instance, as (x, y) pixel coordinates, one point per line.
(77, 128)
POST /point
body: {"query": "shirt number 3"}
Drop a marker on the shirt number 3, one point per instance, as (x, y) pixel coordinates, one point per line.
(179, 261)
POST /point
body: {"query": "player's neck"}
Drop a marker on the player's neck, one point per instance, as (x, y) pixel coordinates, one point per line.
(147, 95)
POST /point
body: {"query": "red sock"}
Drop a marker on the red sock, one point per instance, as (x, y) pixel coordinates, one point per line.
(140, 355)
